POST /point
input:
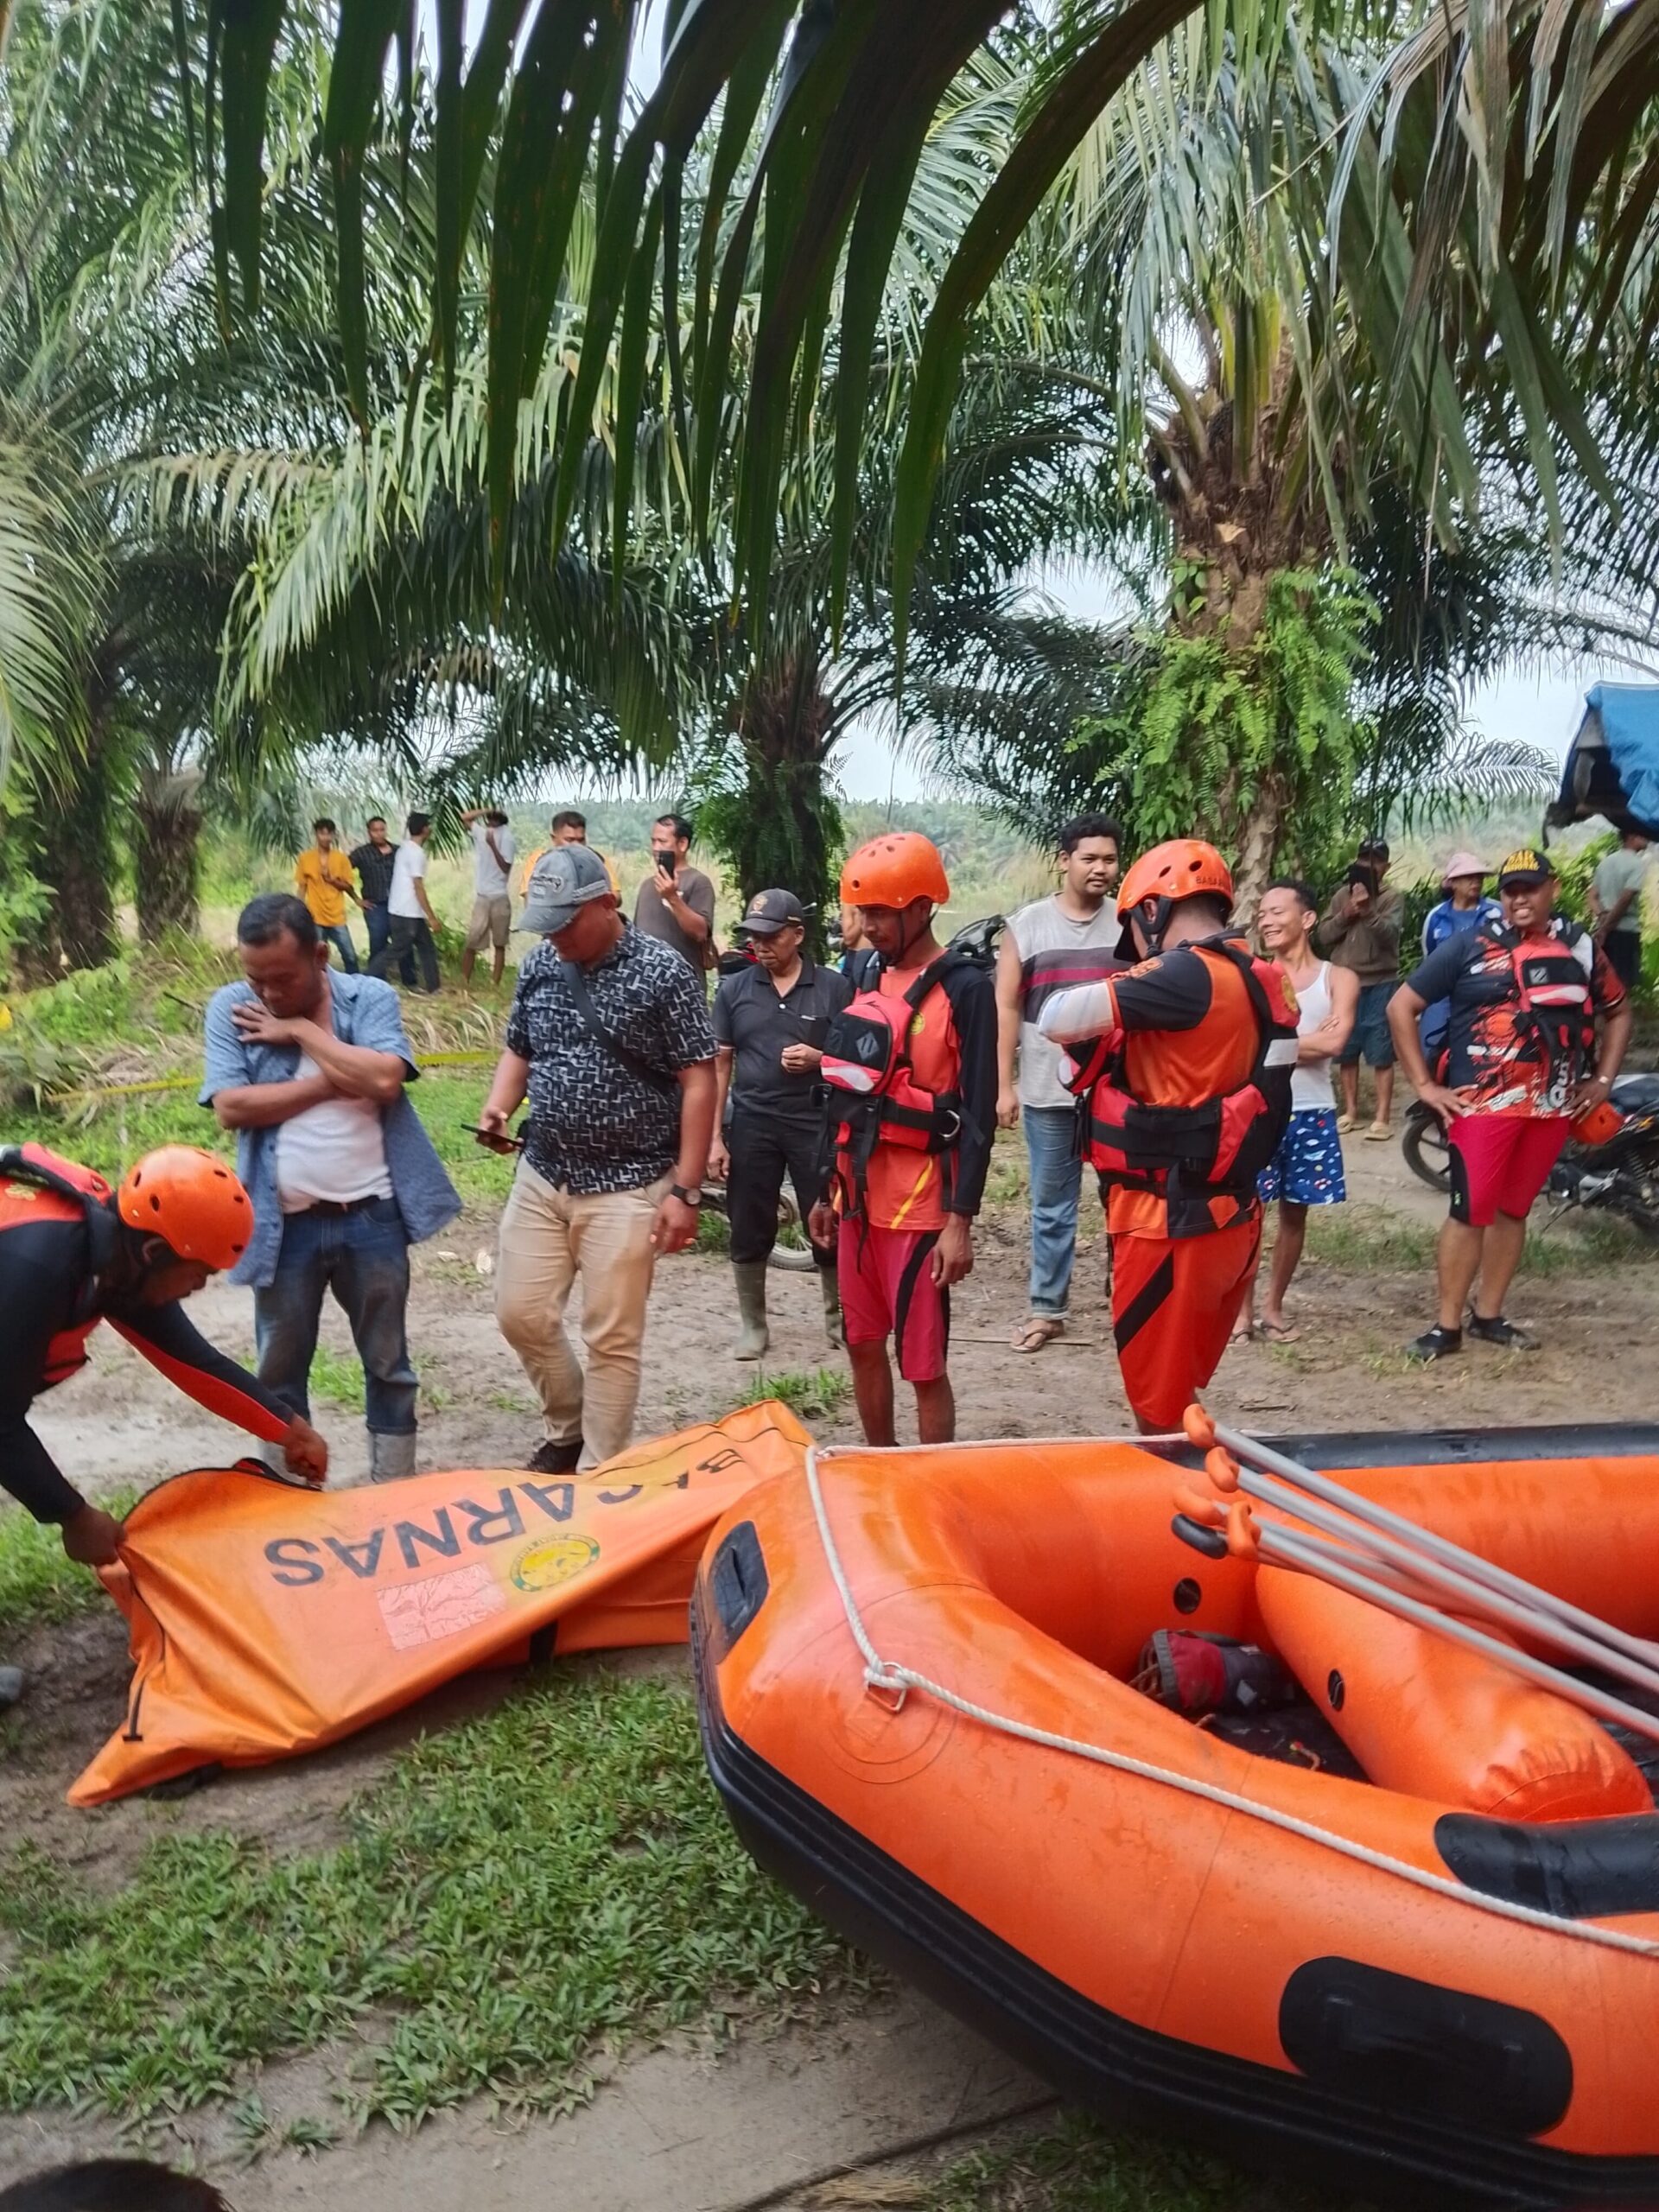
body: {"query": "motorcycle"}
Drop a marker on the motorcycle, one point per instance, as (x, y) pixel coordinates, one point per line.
(1621, 1176)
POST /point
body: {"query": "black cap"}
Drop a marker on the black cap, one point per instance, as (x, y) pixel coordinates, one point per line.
(770, 911)
(1525, 868)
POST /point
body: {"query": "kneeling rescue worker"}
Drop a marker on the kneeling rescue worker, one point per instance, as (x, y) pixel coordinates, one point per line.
(910, 1066)
(73, 1253)
(1186, 1070)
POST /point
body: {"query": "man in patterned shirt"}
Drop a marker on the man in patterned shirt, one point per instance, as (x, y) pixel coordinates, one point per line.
(609, 1040)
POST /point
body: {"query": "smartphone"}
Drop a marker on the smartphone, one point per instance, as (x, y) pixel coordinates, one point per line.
(667, 863)
(497, 1139)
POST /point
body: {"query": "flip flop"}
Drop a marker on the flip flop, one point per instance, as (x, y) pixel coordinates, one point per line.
(1247, 1334)
(1279, 1333)
(1346, 1125)
(1379, 1133)
(1038, 1330)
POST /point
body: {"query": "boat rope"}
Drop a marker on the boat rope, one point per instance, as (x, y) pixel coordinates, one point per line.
(890, 1678)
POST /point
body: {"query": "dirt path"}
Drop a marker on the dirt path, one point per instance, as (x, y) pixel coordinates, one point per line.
(766, 2117)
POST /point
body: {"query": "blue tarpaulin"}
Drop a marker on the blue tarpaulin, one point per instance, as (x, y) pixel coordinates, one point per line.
(1613, 767)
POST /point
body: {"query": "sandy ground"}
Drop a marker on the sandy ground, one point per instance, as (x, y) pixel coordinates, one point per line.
(675, 2128)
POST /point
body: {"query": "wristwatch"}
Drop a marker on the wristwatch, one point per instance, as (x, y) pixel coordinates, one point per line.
(693, 1198)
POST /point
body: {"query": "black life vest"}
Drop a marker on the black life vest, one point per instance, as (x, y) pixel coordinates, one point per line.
(1554, 989)
(1216, 1147)
(873, 1096)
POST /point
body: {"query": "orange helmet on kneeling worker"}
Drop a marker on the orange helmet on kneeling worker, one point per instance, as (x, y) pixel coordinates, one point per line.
(192, 1201)
(894, 869)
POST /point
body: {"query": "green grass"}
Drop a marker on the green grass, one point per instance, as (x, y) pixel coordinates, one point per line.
(519, 1894)
(337, 1379)
(37, 1582)
(1079, 2167)
(812, 1396)
(1369, 1240)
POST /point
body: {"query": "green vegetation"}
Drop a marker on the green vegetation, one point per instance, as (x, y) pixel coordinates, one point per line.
(518, 1895)
(37, 1582)
(814, 1397)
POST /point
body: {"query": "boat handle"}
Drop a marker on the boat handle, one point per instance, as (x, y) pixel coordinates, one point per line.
(1212, 1543)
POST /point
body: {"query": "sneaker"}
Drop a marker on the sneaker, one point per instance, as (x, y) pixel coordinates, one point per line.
(1435, 1344)
(1191, 1672)
(1498, 1330)
(551, 1459)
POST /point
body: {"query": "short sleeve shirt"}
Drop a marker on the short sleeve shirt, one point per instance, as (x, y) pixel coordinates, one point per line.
(491, 878)
(751, 1018)
(653, 918)
(374, 871)
(1492, 1056)
(595, 1124)
(1621, 871)
(407, 870)
(323, 880)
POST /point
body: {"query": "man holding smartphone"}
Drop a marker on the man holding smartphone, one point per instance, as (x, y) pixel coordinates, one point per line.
(677, 902)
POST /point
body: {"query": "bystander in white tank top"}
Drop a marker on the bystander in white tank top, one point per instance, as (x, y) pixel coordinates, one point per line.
(1310, 1082)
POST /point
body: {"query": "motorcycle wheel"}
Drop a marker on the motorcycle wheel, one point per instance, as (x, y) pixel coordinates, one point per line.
(1427, 1151)
(1643, 1218)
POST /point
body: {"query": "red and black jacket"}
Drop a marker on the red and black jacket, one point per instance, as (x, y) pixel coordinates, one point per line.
(60, 1276)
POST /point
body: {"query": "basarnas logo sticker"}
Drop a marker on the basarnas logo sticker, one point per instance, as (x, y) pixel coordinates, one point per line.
(554, 1560)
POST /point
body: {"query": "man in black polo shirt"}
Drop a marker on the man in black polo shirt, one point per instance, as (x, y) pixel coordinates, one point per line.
(374, 860)
(770, 1021)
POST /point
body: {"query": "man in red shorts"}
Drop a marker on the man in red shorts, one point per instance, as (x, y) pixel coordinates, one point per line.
(1525, 996)
(911, 1163)
(1186, 1061)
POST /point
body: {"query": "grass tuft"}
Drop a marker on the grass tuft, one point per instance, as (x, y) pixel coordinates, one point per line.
(812, 1396)
(550, 1880)
(1079, 2167)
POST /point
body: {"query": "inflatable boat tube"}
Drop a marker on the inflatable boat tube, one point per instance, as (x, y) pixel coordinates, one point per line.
(1410, 1945)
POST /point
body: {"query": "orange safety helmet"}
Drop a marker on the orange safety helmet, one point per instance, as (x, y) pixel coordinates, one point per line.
(891, 870)
(192, 1201)
(1180, 869)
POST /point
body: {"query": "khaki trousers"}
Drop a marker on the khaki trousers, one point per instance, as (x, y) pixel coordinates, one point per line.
(549, 1238)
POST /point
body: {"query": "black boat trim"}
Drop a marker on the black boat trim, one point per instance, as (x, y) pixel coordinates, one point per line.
(1239, 2108)
(1579, 1870)
(1332, 1451)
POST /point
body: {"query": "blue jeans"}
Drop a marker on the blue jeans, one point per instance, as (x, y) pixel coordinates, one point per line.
(379, 921)
(340, 938)
(363, 1257)
(1056, 1186)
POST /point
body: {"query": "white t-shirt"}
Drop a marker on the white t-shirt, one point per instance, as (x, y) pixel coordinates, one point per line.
(336, 1151)
(491, 881)
(406, 869)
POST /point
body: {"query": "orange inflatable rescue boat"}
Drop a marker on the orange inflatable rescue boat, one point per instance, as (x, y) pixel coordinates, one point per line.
(1394, 1921)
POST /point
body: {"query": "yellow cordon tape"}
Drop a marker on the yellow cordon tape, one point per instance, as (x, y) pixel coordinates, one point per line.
(191, 1082)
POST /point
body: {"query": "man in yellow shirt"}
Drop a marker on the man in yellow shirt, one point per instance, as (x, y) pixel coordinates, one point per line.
(324, 878)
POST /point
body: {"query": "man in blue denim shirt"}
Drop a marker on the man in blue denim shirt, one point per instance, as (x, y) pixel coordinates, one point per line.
(308, 1067)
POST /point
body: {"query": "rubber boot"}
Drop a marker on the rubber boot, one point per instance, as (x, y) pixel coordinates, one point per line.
(391, 1459)
(834, 1334)
(754, 1339)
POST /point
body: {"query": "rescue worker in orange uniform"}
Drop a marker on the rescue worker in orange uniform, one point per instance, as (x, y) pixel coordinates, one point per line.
(1186, 1062)
(910, 1066)
(74, 1253)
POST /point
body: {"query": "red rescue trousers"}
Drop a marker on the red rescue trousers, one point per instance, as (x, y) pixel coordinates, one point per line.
(1174, 1301)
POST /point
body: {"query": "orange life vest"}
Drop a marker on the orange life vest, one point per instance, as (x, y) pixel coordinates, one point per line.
(1558, 1008)
(37, 1186)
(874, 1096)
(1218, 1146)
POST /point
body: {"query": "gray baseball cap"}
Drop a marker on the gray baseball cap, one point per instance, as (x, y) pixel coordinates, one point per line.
(770, 911)
(565, 881)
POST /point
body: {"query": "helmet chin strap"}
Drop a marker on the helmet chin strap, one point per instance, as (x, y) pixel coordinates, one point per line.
(906, 941)
(1162, 909)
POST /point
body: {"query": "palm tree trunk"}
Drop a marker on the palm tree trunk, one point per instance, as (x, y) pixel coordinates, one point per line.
(165, 840)
(786, 831)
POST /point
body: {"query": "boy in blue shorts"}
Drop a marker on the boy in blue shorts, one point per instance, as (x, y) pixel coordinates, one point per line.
(1306, 1169)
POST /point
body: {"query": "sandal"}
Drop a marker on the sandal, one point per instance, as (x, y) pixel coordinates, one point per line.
(1379, 1133)
(1246, 1333)
(1279, 1333)
(1041, 1329)
(1346, 1125)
